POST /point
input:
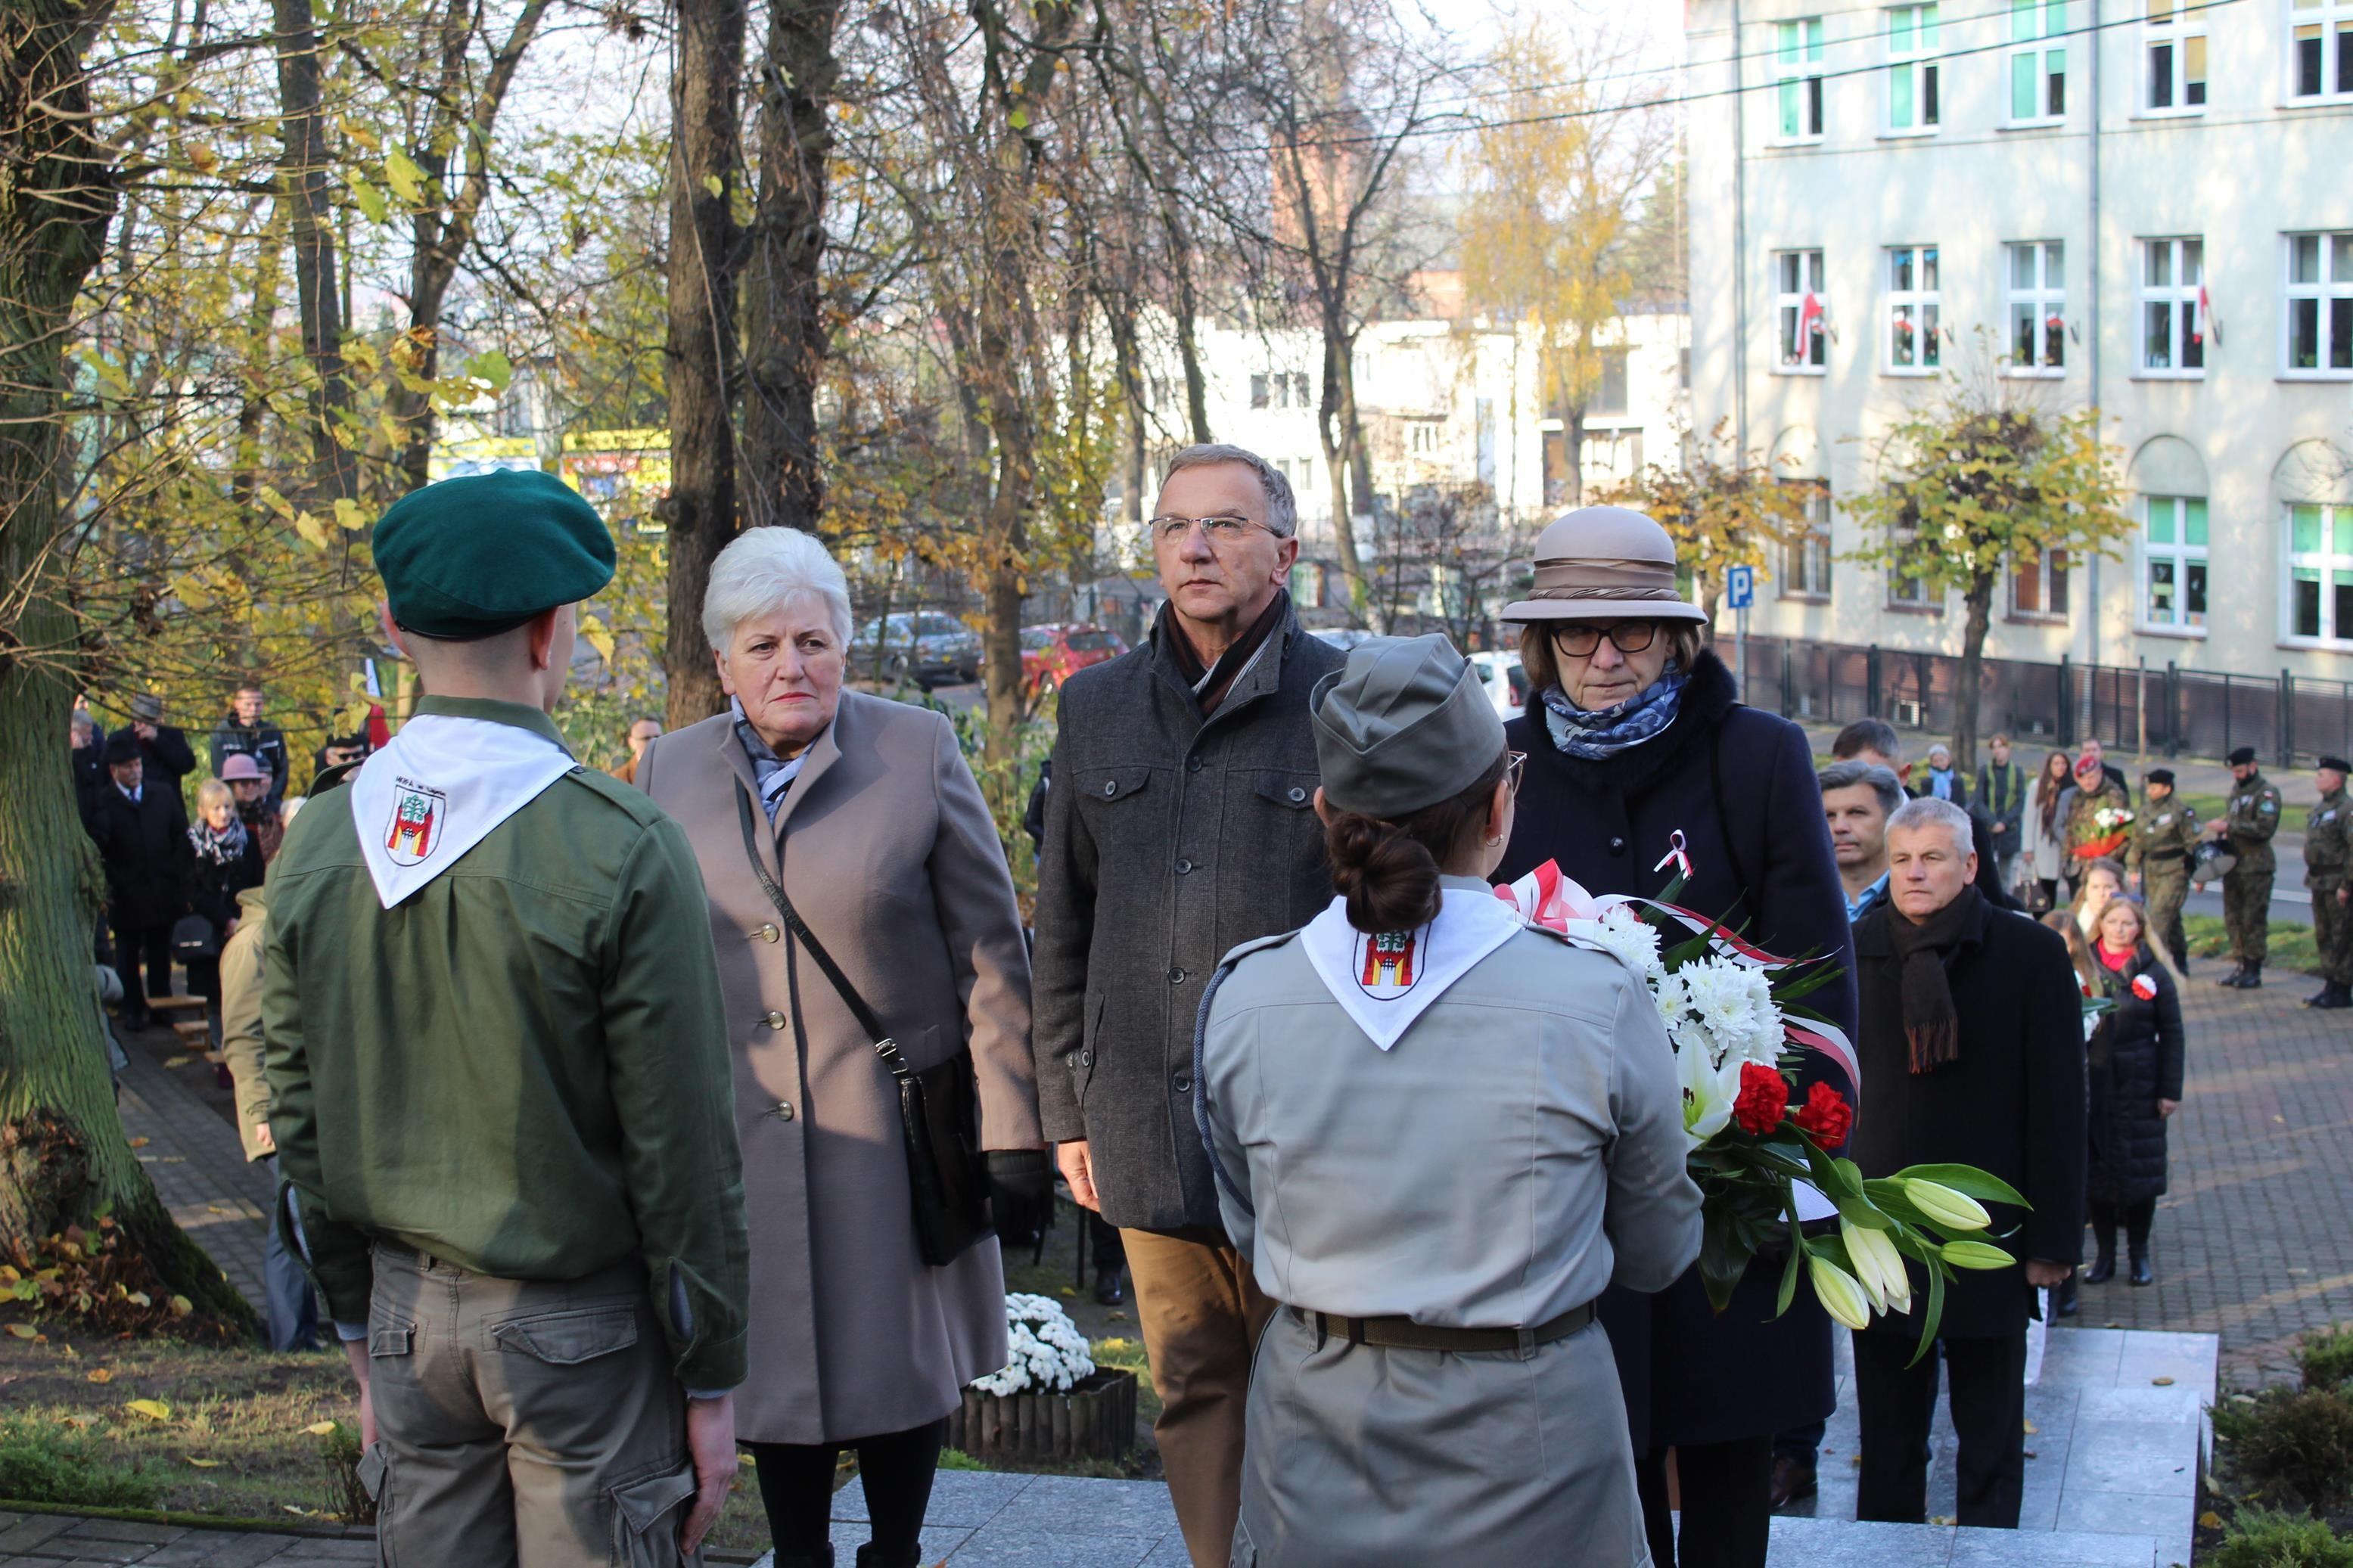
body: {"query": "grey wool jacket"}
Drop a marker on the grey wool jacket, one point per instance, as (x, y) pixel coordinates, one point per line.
(1170, 840)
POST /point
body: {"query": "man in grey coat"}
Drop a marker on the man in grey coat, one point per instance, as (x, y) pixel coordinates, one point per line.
(1180, 826)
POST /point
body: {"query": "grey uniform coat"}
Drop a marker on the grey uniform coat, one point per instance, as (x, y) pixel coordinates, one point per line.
(1170, 840)
(1519, 1148)
(889, 853)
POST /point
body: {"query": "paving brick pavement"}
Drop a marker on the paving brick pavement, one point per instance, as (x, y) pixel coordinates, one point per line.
(199, 1169)
(47, 1540)
(2254, 1240)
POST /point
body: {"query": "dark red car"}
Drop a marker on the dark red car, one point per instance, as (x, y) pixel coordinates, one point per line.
(1051, 654)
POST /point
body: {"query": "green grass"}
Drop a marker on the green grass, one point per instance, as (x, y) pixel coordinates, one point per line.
(2293, 949)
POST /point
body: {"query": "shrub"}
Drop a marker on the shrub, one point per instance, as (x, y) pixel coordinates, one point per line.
(2261, 1539)
(2302, 1441)
(341, 1452)
(43, 1462)
(2328, 1357)
(957, 1459)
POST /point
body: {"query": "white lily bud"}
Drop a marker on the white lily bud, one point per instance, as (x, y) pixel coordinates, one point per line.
(1836, 1290)
(1954, 1210)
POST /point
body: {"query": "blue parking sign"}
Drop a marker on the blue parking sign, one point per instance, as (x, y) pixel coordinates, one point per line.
(1740, 588)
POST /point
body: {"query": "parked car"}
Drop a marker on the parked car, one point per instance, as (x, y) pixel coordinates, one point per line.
(922, 646)
(1052, 653)
(1506, 682)
(1343, 638)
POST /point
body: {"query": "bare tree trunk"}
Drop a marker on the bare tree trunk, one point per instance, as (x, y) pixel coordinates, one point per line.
(63, 1157)
(706, 252)
(303, 168)
(1340, 436)
(1572, 440)
(1979, 603)
(784, 315)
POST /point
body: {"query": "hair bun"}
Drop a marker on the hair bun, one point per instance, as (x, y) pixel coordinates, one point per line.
(1387, 874)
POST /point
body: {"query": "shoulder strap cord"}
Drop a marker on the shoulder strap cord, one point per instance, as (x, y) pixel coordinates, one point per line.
(885, 1046)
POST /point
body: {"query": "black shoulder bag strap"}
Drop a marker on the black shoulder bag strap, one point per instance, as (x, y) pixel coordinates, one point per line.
(884, 1047)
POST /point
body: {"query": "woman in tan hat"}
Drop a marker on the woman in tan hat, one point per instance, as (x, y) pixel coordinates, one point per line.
(1637, 744)
(1439, 1135)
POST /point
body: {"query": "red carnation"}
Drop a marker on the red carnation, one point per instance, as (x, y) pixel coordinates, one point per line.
(1764, 1096)
(1826, 1117)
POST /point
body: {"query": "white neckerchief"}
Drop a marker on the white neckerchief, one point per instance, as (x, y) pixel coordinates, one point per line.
(1385, 983)
(438, 789)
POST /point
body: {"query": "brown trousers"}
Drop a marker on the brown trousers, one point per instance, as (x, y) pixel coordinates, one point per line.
(521, 1423)
(1201, 1313)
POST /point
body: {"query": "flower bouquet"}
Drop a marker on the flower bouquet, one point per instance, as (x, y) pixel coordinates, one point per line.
(2114, 826)
(1739, 1024)
(1049, 1355)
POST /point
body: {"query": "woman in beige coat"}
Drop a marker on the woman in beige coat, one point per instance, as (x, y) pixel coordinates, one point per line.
(873, 827)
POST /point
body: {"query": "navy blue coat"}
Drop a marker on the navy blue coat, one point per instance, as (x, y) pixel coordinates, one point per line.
(1740, 785)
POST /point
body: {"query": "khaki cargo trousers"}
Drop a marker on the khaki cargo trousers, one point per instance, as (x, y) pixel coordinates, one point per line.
(521, 1423)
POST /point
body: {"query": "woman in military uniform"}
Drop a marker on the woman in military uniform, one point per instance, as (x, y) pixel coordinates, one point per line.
(1439, 1135)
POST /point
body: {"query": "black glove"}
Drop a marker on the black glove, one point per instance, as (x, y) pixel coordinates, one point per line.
(1020, 1193)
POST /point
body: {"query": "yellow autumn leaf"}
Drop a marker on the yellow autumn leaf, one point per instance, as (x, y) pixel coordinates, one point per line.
(180, 1306)
(22, 1331)
(154, 1409)
(596, 635)
(206, 1464)
(139, 1298)
(2210, 1519)
(100, 1374)
(401, 172)
(715, 185)
(320, 1429)
(348, 513)
(140, 1142)
(314, 534)
(8, 1275)
(183, 1061)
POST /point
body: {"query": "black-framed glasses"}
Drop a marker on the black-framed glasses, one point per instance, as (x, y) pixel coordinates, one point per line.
(1220, 529)
(1515, 768)
(1578, 638)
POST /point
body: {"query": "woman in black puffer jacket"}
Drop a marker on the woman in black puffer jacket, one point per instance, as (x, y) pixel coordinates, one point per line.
(2136, 1059)
(1629, 746)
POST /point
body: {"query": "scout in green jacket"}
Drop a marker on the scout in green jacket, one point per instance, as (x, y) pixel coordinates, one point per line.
(2328, 872)
(2165, 836)
(2248, 824)
(499, 1081)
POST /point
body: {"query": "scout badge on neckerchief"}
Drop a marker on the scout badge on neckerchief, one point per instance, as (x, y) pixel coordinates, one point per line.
(438, 789)
(1385, 981)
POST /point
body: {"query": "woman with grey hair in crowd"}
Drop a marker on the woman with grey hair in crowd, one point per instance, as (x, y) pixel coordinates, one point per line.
(859, 894)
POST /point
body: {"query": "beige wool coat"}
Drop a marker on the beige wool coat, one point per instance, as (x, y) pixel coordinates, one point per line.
(888, 853)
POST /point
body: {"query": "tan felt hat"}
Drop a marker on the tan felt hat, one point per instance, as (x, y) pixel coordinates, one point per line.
(1604, 563)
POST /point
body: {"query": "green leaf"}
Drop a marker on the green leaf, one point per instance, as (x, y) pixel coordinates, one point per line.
(715, 185)
(369, 201)
(1967, 1180)
(348, 514)
(1797, 1254)
(492, 366)
(401, 172)
(1019, 121)
(1860, 1212)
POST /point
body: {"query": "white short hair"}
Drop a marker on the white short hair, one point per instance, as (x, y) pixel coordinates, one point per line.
(763, 567)
(1928, 810)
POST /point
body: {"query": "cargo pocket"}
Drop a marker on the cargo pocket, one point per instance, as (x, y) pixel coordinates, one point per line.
(570, 1337)
(646, 1520)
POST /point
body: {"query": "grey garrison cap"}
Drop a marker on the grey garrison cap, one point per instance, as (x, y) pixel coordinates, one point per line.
(1404, 724)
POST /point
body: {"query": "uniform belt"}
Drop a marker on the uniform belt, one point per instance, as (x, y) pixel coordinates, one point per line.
(1404, 1335)
(2167, 855)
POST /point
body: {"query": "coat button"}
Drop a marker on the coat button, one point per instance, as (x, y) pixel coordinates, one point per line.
(1194, 765)
(1184, 868)
(1617, 847)
(766, 933)
(1175, 977)
(1183, 1083)
(1086, 1058)
(1297, 794)
(1111, 787)
(775, 1021)
(782, 1111)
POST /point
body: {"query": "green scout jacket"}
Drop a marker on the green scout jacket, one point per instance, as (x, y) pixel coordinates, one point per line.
(2164, 836)
(2328, 843)
(521, 1069)
(2253, 816)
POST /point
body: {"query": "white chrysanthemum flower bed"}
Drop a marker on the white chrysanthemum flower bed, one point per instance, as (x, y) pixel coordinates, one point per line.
(1049, 1355)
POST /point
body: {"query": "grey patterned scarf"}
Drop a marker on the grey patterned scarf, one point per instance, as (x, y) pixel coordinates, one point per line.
(1604, 733)
(774, 773)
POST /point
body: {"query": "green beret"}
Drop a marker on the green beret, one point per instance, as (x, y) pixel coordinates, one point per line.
(478, 555)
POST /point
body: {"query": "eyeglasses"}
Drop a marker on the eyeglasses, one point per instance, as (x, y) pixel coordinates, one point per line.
(1220, 531)
(1515, 767)
(1579, 640)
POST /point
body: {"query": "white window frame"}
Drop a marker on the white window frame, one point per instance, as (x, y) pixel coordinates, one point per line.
(1789, 313)
(2181, 554)
(2330, 22)
(1922, 304)
(2329, 562)
(2043, 299)
(1806, 561)
(2187, 325)
(2329, 293)
(2179, 27)
(1797, 81)
(2038, 45)
(1914, 63)
(2052, 584)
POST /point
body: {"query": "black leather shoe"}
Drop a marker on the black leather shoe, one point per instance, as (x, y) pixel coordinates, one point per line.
(2142, 1274)
(2253, 978)
(2102, 1270)
(1793, 1477)
(1108, 1289)
(2065, 1302)
(2334, 997)
(2233, 979)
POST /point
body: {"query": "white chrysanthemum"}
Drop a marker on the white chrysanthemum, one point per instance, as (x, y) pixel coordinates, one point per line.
(1047, 1350)
(1632, 939)
(1732, 1004)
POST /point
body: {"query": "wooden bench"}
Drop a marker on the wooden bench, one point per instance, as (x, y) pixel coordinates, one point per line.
(175, 1003)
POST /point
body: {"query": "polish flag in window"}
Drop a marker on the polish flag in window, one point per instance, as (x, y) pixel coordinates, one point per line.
(1809, 319)
(2198, 323)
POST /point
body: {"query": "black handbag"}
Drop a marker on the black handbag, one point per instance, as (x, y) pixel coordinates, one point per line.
(195, 937)
(939, 1107)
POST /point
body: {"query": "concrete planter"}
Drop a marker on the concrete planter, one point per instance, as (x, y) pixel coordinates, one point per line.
(1095, 1420)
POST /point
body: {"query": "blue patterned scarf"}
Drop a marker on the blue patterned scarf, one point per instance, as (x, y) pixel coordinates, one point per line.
(1603, 735)
(776, 773)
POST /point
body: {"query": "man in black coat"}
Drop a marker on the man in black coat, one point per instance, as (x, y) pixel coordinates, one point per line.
(1972, 1053)
(141, 831)
(242, 730)
(1874, 740)
(163, 750)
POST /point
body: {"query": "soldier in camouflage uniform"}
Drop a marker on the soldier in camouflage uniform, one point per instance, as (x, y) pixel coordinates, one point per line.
(2328, 872)
(2252, 818)
(2164, 837)
(2088, 839)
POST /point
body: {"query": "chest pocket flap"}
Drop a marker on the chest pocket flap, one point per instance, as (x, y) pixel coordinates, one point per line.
(1114, 782)
(1294, 791)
